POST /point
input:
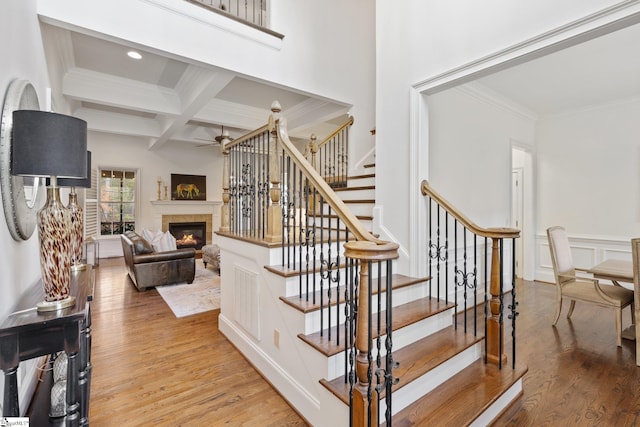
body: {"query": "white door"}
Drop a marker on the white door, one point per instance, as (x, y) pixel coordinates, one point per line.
(517, 214)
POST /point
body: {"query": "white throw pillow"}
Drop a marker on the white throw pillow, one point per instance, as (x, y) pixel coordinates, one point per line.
(169, 242)
(150, 235)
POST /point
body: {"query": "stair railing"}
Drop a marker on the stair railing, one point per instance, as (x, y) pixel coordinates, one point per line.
(271, 193)
(330, 157)
(453, 235)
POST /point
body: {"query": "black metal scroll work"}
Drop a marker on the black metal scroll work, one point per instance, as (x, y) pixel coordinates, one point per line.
(329, 271)
(440, 254)
(466, 280)
(308, 241)
(514, 305)
(247, 191)
(351, 318)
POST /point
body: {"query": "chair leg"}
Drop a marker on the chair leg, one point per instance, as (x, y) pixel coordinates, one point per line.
(633, 313)
(619, 326)
(571, 307)
(558, 310)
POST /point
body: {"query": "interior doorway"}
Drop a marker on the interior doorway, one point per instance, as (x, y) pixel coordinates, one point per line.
(522, 209)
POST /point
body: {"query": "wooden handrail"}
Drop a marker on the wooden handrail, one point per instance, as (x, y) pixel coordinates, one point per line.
(349, 122)
(245, 137)
(495, 232)
(322, 187)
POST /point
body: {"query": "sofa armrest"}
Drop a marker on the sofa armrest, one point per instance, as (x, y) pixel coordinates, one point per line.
(164, 256)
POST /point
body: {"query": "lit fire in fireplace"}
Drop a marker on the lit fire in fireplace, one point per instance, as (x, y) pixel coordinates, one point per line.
(187, 239)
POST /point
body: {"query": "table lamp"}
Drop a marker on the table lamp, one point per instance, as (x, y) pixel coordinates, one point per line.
(77, 216)
(53, 145)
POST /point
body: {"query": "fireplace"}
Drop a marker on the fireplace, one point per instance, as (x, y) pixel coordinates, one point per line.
(189, 234)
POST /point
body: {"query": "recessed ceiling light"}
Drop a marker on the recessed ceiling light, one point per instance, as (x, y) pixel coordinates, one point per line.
(133, 54)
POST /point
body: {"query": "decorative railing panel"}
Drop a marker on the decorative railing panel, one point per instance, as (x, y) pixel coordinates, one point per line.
(330, 157)
(467, 264)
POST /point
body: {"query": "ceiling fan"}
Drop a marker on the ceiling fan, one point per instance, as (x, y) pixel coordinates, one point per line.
(218, 139)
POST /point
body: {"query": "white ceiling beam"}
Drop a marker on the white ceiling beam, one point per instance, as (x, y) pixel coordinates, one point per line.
(119, 124)
(233, 114)
(91, 86)
(195, 89)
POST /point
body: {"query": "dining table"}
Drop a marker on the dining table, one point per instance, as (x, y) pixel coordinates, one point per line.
(621, 271)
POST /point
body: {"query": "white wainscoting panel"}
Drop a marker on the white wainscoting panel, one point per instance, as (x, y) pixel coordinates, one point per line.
(247, 301)
(587, 251)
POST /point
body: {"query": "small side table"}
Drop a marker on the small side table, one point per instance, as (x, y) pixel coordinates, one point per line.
(95, 244)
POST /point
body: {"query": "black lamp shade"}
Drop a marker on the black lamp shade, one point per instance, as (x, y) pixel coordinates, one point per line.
(48, 144)
(81, 182)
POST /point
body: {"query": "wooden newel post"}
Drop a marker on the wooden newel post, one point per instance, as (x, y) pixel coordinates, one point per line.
(495, 330)
(365, 396)
(274, 213)
(224, 209)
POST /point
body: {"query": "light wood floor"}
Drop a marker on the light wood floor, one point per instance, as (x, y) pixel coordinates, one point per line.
(150, 368)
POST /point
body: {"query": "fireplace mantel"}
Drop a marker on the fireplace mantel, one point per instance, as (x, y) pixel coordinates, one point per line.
(166, 211)
(185, 203)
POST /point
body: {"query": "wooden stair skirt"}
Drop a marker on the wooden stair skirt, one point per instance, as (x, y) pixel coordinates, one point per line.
(443, 378)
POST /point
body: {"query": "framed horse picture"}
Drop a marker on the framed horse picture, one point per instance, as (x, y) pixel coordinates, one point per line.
(188, 187)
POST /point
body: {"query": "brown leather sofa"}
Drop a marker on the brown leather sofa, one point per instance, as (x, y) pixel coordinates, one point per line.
(148, 269)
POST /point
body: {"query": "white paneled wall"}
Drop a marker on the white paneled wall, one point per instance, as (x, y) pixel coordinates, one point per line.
(587, 251)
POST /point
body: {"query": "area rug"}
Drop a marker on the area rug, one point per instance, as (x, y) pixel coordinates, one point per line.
(200, 296)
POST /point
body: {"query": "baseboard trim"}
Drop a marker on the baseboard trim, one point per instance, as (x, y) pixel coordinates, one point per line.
(300, 399)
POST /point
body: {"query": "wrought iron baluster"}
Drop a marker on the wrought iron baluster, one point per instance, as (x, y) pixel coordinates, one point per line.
(514, 304)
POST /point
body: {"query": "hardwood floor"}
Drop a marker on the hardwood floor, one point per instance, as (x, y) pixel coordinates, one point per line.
(577, 375)
(150, 368)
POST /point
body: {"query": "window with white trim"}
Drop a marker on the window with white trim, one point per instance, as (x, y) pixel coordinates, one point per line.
(117, 188)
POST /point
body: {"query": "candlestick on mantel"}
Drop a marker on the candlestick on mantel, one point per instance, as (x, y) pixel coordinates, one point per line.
(159, 184)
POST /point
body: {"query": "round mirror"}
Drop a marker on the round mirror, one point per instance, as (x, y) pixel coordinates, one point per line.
(21, 197)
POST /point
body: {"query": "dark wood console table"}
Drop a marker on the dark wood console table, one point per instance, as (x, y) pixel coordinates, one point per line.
(26, 334)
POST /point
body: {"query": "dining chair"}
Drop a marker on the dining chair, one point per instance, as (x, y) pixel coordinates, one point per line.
(635, 251)
(583, 289)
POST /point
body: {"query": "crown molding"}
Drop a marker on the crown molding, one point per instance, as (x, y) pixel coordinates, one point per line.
(483, 93)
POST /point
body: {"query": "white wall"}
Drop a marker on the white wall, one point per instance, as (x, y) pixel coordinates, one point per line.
(588, 182)
(419, 42)
(587, 170)
(130, 152)
(22, 58)
(470, 151)
(328, 48)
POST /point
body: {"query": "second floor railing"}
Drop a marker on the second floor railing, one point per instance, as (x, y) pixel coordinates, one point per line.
(250, 12)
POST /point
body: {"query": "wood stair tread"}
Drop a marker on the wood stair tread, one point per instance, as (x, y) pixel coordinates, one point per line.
(333, 216)
(301, 303)
(416, 359)
(295, 269)
(461, 399)
(369, 165)
(403, 315)
(355, 188)
(359, 201)
(363, 176)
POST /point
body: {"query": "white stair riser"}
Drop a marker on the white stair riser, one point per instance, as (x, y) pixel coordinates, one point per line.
(406, 395)
(368, 193)
(400, 296)
(401, 338)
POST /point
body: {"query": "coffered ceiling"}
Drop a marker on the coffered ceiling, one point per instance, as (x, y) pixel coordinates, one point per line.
(167, 100)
